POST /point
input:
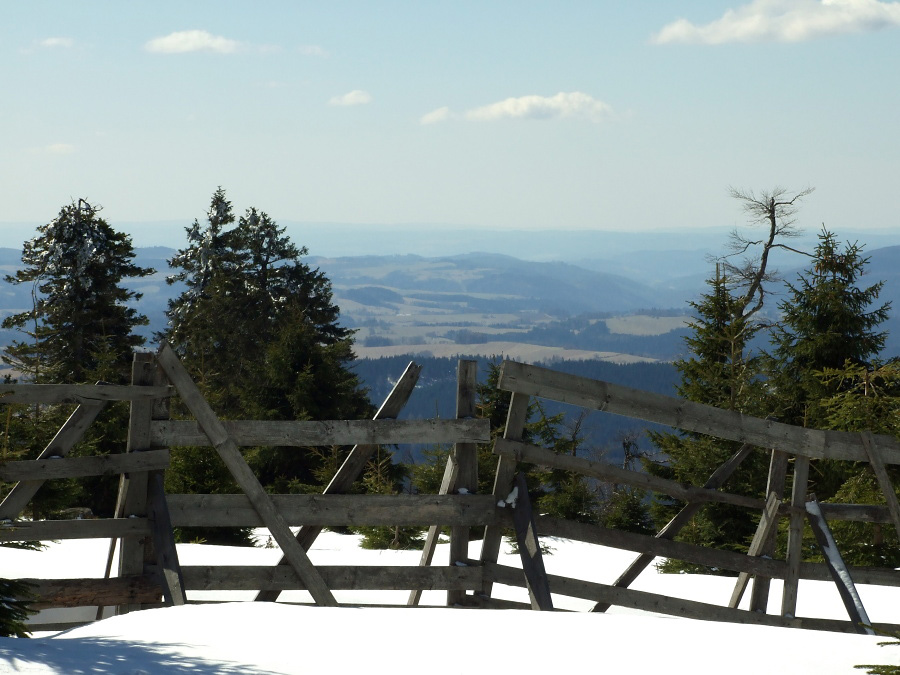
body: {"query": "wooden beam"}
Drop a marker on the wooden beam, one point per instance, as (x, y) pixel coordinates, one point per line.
(164, 542)
(516, 418)
(689, 416)
(50, 593)
(81, 394)
(451, 469)
(338, 577)
(356, 461)
(39, 470)
(873, 454)
(318, 510)
(767, 525)
(135, 552)
(243, 475)
(68, 435)
(466, 454)
(47, 530)
(795, 537)
(526, 452)
(682, 518)
(326, 432)
(839, 572)
(530, 549)
(663, 604)
(778, 463)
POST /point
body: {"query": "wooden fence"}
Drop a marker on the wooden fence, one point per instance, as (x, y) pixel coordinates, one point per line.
(149, 573)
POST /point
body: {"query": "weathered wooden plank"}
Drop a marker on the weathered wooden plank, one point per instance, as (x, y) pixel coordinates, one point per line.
(516, 418)
(767, 526)
(242, 474)
(530, 549)
(326, 432)
(51, 593)
(164, 541)
(78, 467)
(451, 469)
(356, 461)
(778, 463)
(837, 567)
(46, 530)
(657, 547)
(136, 553)
(334, 510)
(67, 436)
(78, 393)
(682, 518)
(663, 604)
(795, 537)
(687, 415)
(873, 453)
(863, 513)
(338, 577)
(526, 452)
(466, 454)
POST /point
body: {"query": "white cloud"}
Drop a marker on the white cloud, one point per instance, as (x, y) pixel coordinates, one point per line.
(57, 42)
(56, 149)
(312, 50)
(785, 21)
(182, 42)
(436, 116)
(563, 104)
(355, 97)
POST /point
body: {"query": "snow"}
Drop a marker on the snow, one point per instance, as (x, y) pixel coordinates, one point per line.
(247, 637)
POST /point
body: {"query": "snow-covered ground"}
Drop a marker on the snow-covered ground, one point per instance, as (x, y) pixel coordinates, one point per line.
(248, 637)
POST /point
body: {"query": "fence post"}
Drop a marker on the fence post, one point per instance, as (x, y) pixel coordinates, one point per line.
(466, 458)
(506, 468)
(795, 536)
(136, 552)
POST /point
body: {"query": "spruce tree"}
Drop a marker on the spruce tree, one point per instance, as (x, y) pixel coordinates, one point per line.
(79, 330)
(258, 330)
(828, 321)
(720, 371)
(82, 320)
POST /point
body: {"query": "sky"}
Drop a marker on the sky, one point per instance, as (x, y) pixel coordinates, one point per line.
(595, 115)
(256, 637)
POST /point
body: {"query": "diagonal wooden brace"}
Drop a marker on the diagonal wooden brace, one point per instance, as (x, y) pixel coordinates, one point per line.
(243, 475)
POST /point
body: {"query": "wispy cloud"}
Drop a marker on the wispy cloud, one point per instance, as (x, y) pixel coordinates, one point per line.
(185, 41)
(564, 104)
(53, 42)
(55, 149)
(436, 116)
(784, 21)
(355, 97)
(312, 50)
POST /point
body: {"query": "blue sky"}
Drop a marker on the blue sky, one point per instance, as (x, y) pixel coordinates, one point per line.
(571, 115)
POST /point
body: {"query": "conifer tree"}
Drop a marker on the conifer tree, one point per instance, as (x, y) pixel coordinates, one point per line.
(720, 371)
(259, 332)
(82, 322)
(79, 330)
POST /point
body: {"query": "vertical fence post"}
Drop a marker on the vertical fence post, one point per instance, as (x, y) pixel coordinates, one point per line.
(466, 456)
(795, 536)
(136, 552)
(503, 481)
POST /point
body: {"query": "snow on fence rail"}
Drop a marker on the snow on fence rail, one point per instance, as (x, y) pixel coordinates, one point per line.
(149, 573)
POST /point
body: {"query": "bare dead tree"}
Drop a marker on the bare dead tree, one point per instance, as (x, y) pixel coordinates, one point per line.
(748, 262)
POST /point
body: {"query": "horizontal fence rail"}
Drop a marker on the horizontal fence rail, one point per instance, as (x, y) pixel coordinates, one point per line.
(338, 510)
(80, 393)
(690, 416)
(327, 432)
